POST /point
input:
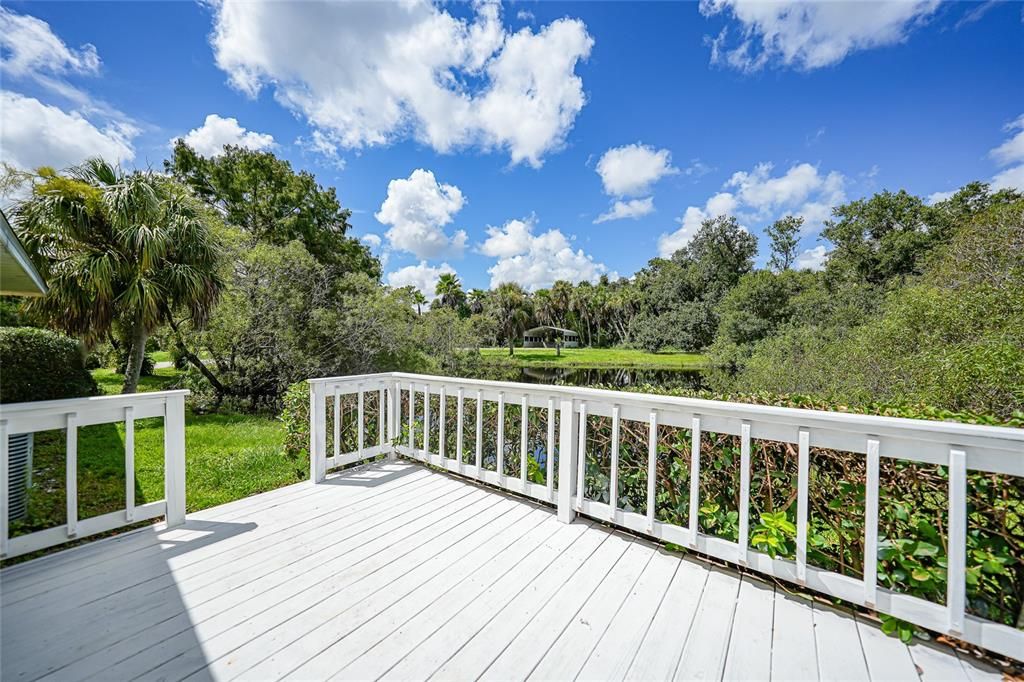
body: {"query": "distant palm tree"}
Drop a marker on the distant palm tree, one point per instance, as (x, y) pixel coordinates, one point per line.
(544, 307)
(476, 300)
(116, 248)
(449, 289)
(512, 311)
(419, 299)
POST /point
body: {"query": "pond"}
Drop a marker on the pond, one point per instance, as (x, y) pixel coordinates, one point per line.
(619, 377)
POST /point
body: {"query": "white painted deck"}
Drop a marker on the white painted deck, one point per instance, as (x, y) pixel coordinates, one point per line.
(393, 571)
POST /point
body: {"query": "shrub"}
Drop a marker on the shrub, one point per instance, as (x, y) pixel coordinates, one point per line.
(38, 364)
(295, 416)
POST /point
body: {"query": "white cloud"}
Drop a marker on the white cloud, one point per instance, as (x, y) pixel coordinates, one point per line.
(536, 261)
(28, 48)
(936, 197)
(34, 134)
(723, 203)
(630, 170)
(373, 73)
(372, 240)
(811, 259)
(633, 208)
(210, 138)
(1011, 178)
(525, 15)
(512, 239)
(422, 276)
(1012, 150)
(809, 35)
(417, 209)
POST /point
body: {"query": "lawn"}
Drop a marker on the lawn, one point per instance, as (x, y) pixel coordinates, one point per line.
(597, 357)
(228, 456)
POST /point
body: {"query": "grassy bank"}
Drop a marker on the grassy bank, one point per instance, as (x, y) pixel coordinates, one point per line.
(596, 357)
(228, 456)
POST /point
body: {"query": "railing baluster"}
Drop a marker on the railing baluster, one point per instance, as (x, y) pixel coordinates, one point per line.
(459, 427)
(501, 438)
(652, 469)
(479, 433)
(581, 462)
(5, 483)
(956, 570)
(394, 417)
(71, 473)
(426, 422)
(871, 524)
(549, 459)
(613, 482)
(694, 479)
(337, 424)
(744, 537)
(803, 482)
(359, 418)
(524, 433)
(441, 445)
(129, 464)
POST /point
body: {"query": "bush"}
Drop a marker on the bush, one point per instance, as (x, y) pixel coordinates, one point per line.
(295, 416)
(37, 364)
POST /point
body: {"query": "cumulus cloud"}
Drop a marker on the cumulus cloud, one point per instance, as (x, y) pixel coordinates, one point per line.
(421, 276)
(373, 73)
(34, 134)
(632, 169)
(811, 259)
(1012, 150)
(758, 196)
(536, 261)
(808, 35)
(1011, 178)
(634, 208)
(417, 208)
(372, 240)
(210, 138)
(723, 203)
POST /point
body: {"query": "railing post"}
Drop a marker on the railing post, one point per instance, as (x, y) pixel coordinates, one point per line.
(394, 415)
(317, 432)
(567, 452)
(174, 459)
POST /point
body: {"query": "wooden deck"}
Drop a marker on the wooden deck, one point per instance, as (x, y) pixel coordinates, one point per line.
(393, 571)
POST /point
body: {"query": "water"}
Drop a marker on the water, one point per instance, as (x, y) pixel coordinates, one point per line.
(619, 377)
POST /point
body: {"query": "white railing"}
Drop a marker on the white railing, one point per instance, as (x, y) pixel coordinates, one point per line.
(75, 413)
(959, 447)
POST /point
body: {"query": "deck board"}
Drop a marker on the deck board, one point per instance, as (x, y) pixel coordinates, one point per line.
(394, 571)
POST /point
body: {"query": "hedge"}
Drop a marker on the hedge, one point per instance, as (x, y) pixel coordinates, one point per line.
(38, 364)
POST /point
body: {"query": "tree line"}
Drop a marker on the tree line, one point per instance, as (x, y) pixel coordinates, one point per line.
(246, 271)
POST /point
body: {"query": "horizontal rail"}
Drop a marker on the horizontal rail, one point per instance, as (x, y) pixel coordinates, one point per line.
(435, 406)
(71, 415)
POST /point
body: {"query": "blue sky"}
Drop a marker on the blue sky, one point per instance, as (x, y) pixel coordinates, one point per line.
(491, 140)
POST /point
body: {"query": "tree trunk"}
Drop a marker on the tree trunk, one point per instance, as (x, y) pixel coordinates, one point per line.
(511, 346)
(196, 362)
(135, 356)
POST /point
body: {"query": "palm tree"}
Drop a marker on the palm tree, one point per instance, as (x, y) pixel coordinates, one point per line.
(476, 301)
(512, 312)
(449, 288)
(544, 307)
(118, 249)
(419, 299)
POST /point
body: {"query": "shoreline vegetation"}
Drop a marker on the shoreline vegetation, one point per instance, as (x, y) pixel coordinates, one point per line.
(596, 358)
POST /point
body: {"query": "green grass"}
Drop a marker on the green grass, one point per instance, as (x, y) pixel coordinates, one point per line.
(596, 357)
(228, 456)
(160, 356)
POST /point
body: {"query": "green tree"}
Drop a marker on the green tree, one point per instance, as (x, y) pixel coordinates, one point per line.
(784, 235)
(449, 290)
(125, 249)
(272, 204)
(419, 300)
(476, 300)
(512, 312)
